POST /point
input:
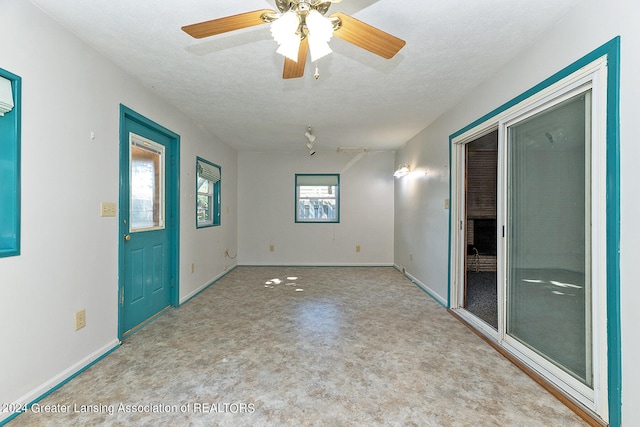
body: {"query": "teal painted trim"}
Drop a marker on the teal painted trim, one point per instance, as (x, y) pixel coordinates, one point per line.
(147, 322)
(10, 154)
(419, 286)
(207, 286)
(61, 383)
(316, 266)
(295, 197)
(613, 234)
(217, 208)
(611, 50)
(585, 60)
(173, 209)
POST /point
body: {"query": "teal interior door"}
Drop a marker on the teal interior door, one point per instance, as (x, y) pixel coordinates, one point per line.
(147, 223)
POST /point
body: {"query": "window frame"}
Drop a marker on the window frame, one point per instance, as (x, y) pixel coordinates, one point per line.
(320, 176)
(213, 194)
(10, 216)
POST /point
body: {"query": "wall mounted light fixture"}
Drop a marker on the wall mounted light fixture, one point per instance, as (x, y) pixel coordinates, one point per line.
(403, 169)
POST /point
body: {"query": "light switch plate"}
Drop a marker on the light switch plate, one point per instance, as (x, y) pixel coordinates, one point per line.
(108, 209)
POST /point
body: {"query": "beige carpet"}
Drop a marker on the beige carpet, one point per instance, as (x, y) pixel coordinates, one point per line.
(317, 347)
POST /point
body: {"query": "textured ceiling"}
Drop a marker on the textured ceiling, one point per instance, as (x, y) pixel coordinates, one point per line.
(232, 85)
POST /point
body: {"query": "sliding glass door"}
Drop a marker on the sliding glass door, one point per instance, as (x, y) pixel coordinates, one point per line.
(548, 239)
(555, 231)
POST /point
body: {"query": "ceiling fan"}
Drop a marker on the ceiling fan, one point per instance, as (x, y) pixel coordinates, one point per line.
(300, 28)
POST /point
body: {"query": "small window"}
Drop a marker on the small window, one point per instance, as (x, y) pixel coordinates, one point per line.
(10, 85)
(317, 198)
(207, 193)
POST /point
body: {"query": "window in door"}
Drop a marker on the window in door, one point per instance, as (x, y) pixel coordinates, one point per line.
(147, 184)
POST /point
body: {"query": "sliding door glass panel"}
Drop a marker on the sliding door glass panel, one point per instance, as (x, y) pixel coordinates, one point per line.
(548, 235)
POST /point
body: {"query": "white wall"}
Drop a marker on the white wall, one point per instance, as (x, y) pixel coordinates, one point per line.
(69, 258)
(266, 209)
(589, 26)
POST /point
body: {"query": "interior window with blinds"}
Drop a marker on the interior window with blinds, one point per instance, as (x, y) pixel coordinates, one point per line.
(207, 193)
(317, 198)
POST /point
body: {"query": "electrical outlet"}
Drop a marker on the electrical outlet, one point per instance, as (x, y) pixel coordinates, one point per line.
(357, 248)
(446, 203)
(193, 267)
(410, 257)
(81, 319)
(272, 248)
(108, 209)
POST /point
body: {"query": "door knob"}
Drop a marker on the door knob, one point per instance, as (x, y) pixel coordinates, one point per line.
(127, 237)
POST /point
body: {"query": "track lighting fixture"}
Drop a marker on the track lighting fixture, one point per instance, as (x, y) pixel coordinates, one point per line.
(311, 138)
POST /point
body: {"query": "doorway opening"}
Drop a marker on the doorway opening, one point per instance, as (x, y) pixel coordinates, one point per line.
(481, 272)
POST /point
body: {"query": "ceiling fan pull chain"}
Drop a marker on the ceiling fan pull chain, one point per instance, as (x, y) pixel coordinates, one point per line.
(317, 73)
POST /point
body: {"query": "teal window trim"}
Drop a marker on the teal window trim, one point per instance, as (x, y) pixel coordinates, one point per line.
(214, 193)
(610, 50)
(10, 171)
(320, 176)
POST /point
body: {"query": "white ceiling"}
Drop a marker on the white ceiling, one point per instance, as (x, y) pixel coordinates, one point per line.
(232, 84)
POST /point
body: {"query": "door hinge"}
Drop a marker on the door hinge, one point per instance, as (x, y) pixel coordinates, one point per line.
(122, 296)
(460, 225)
(503, 231)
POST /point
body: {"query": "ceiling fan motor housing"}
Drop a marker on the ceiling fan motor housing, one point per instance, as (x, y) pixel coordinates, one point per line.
(302, 7)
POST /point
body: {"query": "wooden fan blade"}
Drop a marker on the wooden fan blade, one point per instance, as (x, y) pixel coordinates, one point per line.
(367, 37)
(293, 69)
(226, 24)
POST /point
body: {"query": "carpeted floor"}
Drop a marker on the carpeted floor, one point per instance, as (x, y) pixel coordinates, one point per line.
(482, 296)
(317, 347)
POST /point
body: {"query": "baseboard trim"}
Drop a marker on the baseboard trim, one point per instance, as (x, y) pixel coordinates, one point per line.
(421, 285)
(317, 265)
(206, 285)
(61, 379)
(579, 409)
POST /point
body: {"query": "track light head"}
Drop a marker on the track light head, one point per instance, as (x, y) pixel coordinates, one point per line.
(311, 137)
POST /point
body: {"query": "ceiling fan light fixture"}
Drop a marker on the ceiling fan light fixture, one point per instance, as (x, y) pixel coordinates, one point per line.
(320, 32)
(290, 50)
(318, 48)
(300, 27)
(285, 32)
